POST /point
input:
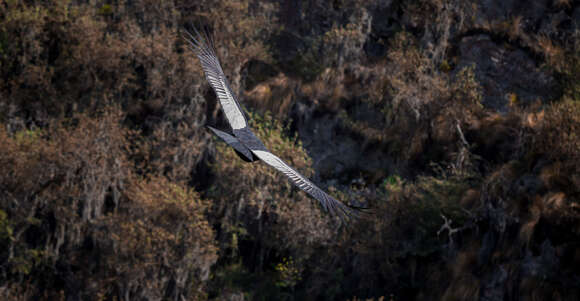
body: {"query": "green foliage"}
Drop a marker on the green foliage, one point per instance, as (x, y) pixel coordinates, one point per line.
(233, 276)
(392, 182)
(25, 263)
(306, 65)
(27, 136)
(422, 204)
(445, 66)
(288, 273)
(106, 9)
(237, 279)
(469, 90)
(6, 231)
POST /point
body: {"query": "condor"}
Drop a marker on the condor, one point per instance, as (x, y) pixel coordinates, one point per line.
(242, 139)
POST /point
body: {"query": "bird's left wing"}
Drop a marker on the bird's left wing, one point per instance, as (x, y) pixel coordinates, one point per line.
(204, 49)
(233, 142)
(329, 203)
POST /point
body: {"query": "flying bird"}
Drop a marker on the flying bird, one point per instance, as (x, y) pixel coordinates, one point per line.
(242, 139)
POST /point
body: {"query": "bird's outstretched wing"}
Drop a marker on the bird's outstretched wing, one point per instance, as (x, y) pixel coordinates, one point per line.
(329, 203)
(233, 142)
(203, 47)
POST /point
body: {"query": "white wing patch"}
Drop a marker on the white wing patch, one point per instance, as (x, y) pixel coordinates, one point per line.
(224, 94)
(233, 114)
(277, 163)
(203, 48)
(328, 203)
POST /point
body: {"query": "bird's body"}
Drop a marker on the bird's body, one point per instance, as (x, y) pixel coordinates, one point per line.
(249, 147)
(239, 145)
(250, 140)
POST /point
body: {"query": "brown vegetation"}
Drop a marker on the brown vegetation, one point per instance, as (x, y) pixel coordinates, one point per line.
(111, 188)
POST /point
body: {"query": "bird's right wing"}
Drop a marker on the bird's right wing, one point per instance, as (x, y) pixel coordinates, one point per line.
(329, 203)
(204, 49)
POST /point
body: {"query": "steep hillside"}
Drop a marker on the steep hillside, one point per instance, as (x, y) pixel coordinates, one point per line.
(456, 123)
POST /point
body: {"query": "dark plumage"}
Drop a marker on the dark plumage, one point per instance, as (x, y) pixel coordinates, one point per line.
(242, 139)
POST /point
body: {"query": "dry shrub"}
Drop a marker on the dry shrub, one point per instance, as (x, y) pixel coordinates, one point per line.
(71, 57)
(344, 45)
(439, 19)
(318, 62)
(326, 91)
(417, 83)
(70, 196)
(275, 95)
(559, 134)
(159, 245)
(562, 3)
(562, 56)
(427, 107)
(75, 57)
(56, 182)
(241, 38)
(59, 43)
(422, 97)
(172, 150)
(554, 53)
(414, 78)
(76, 165)
(463, 288)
